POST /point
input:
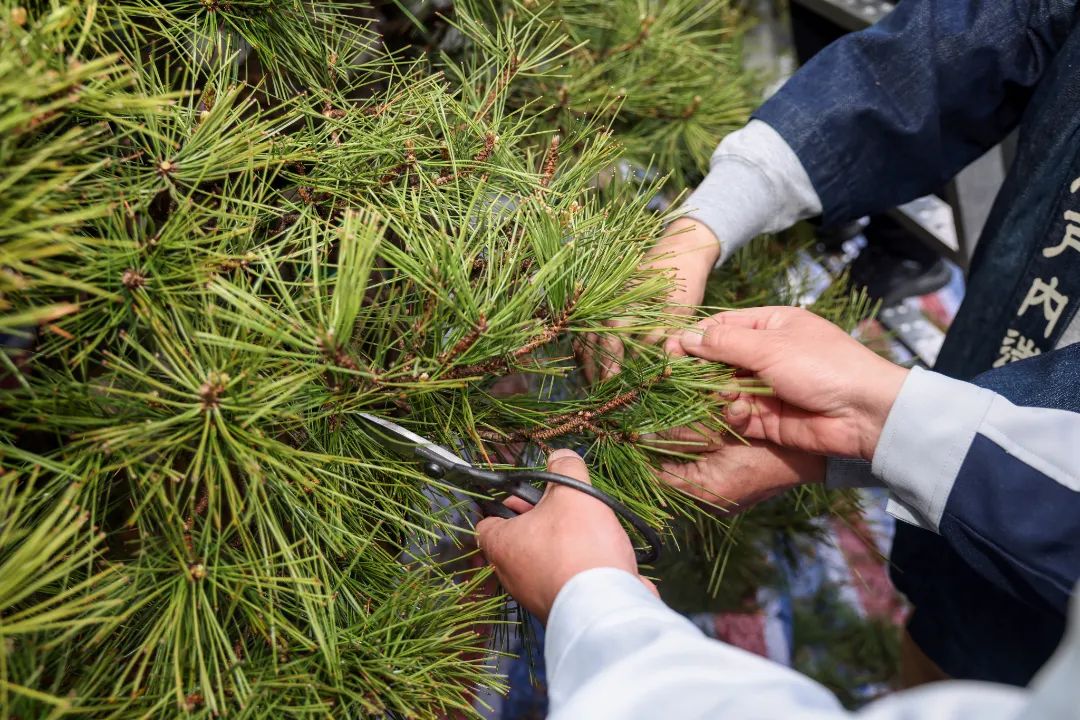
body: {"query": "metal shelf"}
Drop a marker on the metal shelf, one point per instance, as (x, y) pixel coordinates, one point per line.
(931, 220)
(951, 226)
(849, 14)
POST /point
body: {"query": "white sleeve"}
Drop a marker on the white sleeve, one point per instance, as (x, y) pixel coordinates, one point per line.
(755, 185)
(613, 650)
(932, 430)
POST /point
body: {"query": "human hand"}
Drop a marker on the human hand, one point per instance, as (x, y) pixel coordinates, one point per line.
(830, 395)
(568, 532)
(687, 251)
(733, 476)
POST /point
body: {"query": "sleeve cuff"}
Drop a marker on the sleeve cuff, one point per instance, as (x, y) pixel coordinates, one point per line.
(924, 442)
(755, 185)
(588, 600)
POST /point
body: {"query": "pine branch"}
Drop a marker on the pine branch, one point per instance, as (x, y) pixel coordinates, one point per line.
(501, 365)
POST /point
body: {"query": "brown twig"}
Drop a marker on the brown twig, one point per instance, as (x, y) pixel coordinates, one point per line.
(466, 342)
(692, 108)
(572, 422)
(643, 34)
(500, 84)
(551, 161)
(395, 172)
(481, 156)
(492, 365)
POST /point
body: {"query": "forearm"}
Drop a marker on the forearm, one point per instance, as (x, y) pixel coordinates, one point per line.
(1000, 482)
(615, 651)
(755, 185)
(890, 113)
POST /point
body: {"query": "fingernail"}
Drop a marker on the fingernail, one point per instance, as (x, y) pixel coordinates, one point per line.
(739, 408)
(691, 339)
(562, 454)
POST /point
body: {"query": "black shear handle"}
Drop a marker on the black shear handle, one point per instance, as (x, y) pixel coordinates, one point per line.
(519, 484)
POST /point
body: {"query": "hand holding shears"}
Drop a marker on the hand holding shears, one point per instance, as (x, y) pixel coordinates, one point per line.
(438, 463)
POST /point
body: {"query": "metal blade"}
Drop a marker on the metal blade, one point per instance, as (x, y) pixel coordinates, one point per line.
(403, 441)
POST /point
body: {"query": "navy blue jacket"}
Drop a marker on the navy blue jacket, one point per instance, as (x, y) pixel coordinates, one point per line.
(892, 113)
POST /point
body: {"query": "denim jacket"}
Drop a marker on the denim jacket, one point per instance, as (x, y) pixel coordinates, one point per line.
(892, 113)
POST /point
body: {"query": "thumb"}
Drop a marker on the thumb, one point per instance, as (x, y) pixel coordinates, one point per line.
(719, 341)
(569, 463)
(739, 414)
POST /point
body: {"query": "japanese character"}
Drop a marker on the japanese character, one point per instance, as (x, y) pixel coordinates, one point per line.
(1071, 239)
(1045, 294)
(1015, 346)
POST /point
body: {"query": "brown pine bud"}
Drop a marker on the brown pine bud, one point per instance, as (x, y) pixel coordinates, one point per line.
(551, 161)
(132, 279)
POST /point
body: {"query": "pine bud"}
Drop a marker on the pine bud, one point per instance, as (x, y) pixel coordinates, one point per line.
(132, 279)
(192, 702)
(551, 161)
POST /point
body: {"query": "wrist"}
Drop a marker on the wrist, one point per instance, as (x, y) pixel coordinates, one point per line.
(690, 240)
(562, 578)
(689, 252)
(878, 401)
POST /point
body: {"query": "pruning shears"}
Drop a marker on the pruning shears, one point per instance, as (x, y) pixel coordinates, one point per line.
(438, 463)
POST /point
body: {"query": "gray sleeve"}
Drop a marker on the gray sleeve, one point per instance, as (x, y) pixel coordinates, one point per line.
(755, 185)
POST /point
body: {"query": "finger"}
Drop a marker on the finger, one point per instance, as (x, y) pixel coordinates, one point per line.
(568, 460)
(611, 356)
(754, 318)
(782, 424)
(755, 417)
(654, 337)
(688, 478)
(517, 504)
(673, 345)
(510, 385)
(739, 414)
(586, 356)
(734, 344)
(569, 463)
(695, 438)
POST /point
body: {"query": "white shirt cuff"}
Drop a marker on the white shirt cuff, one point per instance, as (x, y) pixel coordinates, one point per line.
(585, 601)
(925, 439)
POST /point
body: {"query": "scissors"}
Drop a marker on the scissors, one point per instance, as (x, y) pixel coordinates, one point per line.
(438, 463)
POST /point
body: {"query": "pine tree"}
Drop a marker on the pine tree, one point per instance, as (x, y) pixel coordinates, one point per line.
(232, 225)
